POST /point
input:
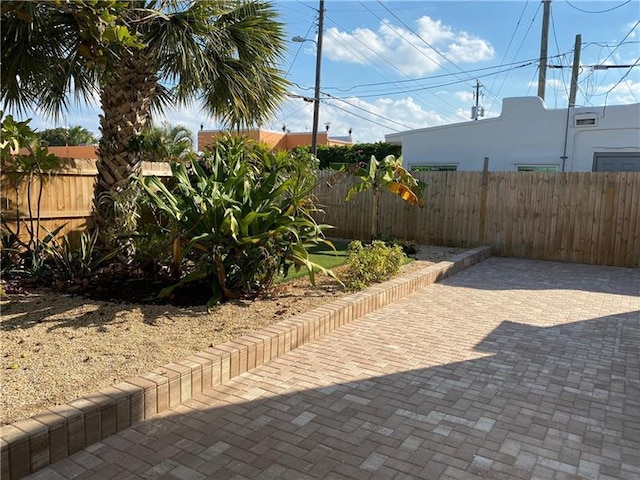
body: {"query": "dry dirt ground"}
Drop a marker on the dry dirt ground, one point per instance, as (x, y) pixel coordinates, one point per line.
(56, 348)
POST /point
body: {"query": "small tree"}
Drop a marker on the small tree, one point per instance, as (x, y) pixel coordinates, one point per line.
(378, 176)
(61, 136)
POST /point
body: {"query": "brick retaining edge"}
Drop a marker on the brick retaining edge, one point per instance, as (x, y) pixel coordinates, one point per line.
(29, 445)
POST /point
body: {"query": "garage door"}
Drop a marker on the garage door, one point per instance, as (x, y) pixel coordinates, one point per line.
(616, 162)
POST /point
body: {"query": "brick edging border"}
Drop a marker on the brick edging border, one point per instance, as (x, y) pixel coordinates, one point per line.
(29, 445)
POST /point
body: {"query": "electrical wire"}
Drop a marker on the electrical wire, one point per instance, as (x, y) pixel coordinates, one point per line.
(361, 117)
(300, 47)
(535, 15)
(504, 57)
(367, 111)
(635, 64)
(598, 11)
(591, 74)
(385, 60)
(421, 7)
(398, 92)
(282, 120)
(410, 43)
(421, 39)
(431, 47)
(555, 39)
(474, 70)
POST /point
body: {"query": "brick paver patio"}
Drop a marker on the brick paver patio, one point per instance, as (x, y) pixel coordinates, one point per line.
(510, 369)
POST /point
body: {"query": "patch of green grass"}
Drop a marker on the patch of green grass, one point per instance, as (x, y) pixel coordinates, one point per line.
(324, 256)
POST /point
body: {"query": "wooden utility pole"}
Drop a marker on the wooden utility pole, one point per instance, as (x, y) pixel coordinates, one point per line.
(542, 74)
(316, 95)
(572, 95)
(476, 112)
(575, 70)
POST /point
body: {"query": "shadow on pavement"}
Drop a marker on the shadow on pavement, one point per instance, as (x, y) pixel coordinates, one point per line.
(527, 402)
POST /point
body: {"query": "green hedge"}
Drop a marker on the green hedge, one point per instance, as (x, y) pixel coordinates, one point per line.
(334, 156)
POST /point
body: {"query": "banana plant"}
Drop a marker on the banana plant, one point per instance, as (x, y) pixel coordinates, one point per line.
(389, 175)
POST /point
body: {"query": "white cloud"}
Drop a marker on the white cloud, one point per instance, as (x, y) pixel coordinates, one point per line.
(367, 127)
(627, 91)
(406, 50)
(464, 96)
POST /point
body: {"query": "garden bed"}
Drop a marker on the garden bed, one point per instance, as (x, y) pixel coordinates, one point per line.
(57, 347)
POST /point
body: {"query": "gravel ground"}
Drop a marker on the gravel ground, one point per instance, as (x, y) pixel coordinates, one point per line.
(56, 348)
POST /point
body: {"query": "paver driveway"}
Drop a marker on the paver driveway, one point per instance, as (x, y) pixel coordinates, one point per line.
(510, 369)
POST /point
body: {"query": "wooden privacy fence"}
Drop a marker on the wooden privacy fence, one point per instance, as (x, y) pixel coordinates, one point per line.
(66, 197)
(576, 217)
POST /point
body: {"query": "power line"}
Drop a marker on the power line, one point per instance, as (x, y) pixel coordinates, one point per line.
(535, 15)
(590, 74)
(446, 3)
(440, 84)
(631, 67)
(504, 57)
(597, 11)
(555, 39)
(423, 41)
(361, 117)
(474, 70)
(363, 57)
(293, 95)
(427, 44)
(300, 45)
(367, 111)
(410, 44)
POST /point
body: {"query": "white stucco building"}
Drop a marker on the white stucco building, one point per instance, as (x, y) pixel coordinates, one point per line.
(529, 136)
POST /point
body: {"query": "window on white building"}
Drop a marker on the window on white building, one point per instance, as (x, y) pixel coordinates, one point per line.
(537, 168)
(585, 120)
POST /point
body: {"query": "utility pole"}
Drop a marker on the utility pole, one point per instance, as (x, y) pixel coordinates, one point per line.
(542, 74)
(575, 69)
(477, 110)
(572, 95)
(316, 95)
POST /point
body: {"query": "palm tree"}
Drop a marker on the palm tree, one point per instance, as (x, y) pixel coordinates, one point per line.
(166, 142)
(223, 53)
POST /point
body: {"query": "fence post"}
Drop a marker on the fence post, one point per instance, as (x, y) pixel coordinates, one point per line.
(482, 216)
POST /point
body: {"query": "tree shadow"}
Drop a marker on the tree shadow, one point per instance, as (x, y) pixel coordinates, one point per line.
(548, 275)
(526, 402)
(34, 309)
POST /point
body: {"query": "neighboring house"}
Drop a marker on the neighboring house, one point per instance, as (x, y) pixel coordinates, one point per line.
(276, 140)
(527, 136)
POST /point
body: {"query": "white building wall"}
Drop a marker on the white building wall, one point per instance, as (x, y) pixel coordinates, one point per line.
(525, 133)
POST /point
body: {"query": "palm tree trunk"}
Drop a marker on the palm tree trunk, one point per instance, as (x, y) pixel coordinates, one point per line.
(126, 99)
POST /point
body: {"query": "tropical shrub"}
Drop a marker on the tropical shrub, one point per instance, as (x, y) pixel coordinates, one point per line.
(80, 263)
(372, 263)
(30, 170)
(241, 215)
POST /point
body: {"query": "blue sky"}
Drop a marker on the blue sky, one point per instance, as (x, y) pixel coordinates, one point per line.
(395, 65)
